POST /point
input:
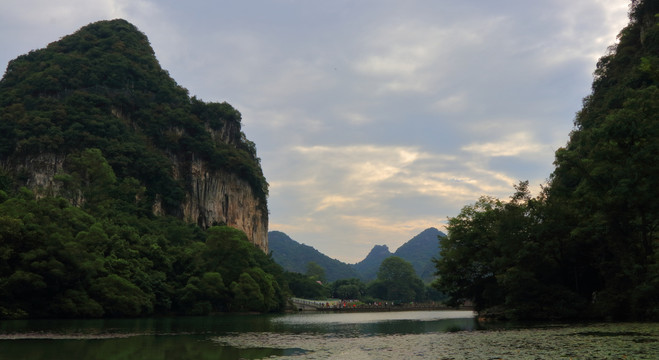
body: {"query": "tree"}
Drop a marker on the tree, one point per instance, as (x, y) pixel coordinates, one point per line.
(247, 294)
(268, 286)
(91, 180)
(315, 272)
(120, 297)
(348, 289)
(607, 173)
(304, 287)
(202, 296)
(401, 282)
(465, 268)
(503, 255)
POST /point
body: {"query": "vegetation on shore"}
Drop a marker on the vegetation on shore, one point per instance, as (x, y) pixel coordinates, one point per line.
(396, 282)
(58, 260)
(587, 245)
(97, 107)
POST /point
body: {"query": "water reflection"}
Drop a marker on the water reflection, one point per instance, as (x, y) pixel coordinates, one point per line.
(194, 337)
(142, 347)
(353, 324)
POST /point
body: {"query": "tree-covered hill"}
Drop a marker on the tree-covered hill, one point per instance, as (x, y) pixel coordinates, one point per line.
(295, 257)
(420, 251)
(587, 246)
(90, 199)
(102, 87)
(368, 267)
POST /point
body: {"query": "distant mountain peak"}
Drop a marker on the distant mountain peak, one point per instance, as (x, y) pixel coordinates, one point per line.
(419, 251)
(379, 249)
(294, 256)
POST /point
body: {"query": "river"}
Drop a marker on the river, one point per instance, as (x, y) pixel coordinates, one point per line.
(311, 335)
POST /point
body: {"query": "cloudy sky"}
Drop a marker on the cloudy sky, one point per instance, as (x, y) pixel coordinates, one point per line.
(374, 119)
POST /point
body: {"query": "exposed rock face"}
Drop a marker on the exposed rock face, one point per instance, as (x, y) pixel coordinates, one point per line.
(213, 197)
(217, 197)
(39, 171)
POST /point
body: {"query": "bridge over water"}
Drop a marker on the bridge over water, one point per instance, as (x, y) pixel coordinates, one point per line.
(306, 304)
(347, 306)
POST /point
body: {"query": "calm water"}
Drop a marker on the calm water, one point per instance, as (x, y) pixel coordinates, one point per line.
(214, 337)
(435, 335)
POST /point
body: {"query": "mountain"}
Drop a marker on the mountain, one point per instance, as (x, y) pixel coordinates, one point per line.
(293, 256)
(368, 268)
(101, 93)
(121, 195)
(419, 251)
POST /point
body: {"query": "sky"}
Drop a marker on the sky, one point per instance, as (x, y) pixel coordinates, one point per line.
(374, 119)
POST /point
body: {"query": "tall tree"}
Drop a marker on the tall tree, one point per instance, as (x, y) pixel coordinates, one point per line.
(397, 281)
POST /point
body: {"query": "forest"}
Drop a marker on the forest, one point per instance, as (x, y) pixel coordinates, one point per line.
(98, 105)
(586, 246)
(105, 260)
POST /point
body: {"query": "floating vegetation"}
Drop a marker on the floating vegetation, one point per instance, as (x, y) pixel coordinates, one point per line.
(598, 341)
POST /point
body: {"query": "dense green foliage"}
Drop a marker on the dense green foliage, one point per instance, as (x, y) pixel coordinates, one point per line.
(97, 107)
(316, 272)
(306, 287)
(397, 282)
(586, 246)
(348, 289)
(503, 254)
(103, 88)
(57, 260)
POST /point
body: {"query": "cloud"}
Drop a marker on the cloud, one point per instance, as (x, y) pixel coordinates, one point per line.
(451, 103)
(398, 229)
(518, 144)
(415, 56)
(355, 118)
(373, 179)
(373, 119)
(334, 201)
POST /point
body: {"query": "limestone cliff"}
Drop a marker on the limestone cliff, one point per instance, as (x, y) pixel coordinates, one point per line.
(213, 196)
(102, 88)
(222, 197)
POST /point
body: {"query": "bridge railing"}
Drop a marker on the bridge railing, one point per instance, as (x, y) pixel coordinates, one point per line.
(319, 304)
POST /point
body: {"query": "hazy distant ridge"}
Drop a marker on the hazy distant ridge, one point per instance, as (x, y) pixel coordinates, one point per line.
(294, 256)
(419, 251)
